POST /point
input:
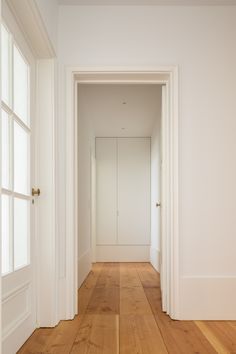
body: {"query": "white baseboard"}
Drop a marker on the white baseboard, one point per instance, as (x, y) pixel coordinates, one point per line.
(118, 253)
(84, 266)
(155, 258)
(208, 298)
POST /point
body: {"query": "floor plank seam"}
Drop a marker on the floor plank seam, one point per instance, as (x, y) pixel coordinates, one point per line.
(157, 324)
(154, 315)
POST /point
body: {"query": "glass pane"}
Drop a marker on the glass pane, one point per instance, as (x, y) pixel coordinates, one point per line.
(5, 150)
(6, 259)
(20, 86)
(21, 232)
(5, 66)
(21, 160)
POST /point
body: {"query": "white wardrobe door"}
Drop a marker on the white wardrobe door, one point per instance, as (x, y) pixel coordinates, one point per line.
(133, 191)
(106, 191)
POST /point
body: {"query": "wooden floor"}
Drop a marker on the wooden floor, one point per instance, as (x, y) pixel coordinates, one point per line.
(120, 312)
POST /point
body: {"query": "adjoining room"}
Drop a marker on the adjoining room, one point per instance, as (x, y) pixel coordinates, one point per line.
(119, 172)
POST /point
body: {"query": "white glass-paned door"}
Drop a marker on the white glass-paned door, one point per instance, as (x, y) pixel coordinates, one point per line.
(21, 159)
(6, 183)
(5, 67)
(21, 232)
(6, 238)
(21, 86)
(17, 209)
(16, 136)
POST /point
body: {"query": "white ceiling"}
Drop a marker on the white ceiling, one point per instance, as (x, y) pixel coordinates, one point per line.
(120, 110)
(148, 2)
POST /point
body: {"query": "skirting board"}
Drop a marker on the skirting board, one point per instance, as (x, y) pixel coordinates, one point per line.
(208, 298)
(118, 253)
(84, 266)
(12, 343)
(155, 258)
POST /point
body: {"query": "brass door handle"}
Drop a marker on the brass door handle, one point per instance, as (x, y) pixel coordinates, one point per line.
(35, 192)
(158, 204)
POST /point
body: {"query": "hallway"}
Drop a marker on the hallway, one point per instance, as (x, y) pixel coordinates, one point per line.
(120, 312)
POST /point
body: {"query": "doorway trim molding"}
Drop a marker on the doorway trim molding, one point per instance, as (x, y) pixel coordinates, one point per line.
(167, 76)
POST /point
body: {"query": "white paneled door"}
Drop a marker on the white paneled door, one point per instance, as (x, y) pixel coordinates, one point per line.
(106, 152)
(133, 176)
(123, 199)
(17, 209)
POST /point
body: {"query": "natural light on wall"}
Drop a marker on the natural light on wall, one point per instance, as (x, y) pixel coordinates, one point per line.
(15, 125)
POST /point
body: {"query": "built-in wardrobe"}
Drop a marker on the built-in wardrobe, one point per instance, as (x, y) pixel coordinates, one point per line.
(122, 199)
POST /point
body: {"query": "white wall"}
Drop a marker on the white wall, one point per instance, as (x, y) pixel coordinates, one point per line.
(49, 11)
(201, 41)
(155, 248)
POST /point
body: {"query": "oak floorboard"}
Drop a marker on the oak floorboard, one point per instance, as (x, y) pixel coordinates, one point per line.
(91, 279)
(63, 337)
(129, 276)
(140, 335)
(148, 276)
(37, 341)
(222, 333)
(215, 342)
(180, 337)
(133, 301)
(110, 276)
(104, 301)
(98, 334)
(87, 288)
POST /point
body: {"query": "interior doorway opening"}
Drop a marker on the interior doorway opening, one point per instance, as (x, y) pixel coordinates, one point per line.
(83, 203)
(119, 125)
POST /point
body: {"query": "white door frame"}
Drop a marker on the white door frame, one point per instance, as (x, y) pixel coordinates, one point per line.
(167, 76)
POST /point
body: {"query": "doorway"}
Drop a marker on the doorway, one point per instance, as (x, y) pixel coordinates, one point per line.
(115, 125)
(169, 248)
